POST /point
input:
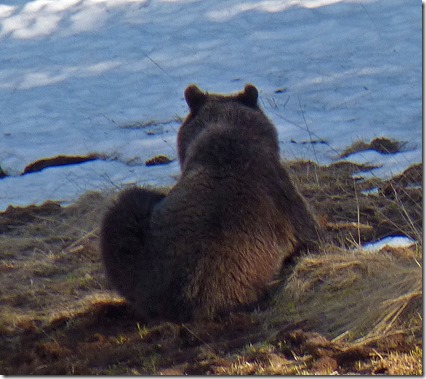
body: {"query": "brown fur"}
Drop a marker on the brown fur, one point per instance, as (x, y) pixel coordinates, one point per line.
(221, 235)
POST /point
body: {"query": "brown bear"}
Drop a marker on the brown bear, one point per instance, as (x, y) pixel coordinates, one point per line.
(222, 233)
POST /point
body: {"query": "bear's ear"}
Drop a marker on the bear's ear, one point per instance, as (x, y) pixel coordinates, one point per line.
(249, 96)
(194, 97)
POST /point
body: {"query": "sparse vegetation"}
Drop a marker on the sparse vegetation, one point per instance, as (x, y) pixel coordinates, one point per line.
(380, 144)
(340, 311)
(158, 160)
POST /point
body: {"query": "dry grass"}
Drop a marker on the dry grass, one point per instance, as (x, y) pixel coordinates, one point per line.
(340, 311)
(381, 145)
(353, 296)
(348, 215)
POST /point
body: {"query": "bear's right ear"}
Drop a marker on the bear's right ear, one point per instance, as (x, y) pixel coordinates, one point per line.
(249, 96)
(194, 97)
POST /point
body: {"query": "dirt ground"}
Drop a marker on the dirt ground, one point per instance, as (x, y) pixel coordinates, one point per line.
(340, 310)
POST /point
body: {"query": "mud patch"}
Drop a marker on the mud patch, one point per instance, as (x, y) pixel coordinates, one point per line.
(60, 160)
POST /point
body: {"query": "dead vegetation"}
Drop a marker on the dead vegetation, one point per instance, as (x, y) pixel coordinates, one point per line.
(158, 160)
(351, 214)
(341, 310)
(380, 144)
(353, 296)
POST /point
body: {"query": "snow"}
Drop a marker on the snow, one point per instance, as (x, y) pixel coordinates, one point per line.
(393, 241)
(371, 192)
(107, 77)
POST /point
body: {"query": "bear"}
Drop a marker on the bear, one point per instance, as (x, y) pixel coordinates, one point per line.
(220, 237)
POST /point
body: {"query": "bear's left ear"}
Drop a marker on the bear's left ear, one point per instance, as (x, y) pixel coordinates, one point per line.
(249, 96)
(194, 97)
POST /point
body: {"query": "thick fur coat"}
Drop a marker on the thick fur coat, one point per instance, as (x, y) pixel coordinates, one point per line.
(221, 235)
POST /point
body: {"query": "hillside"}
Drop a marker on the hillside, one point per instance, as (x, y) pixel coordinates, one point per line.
(340, 310)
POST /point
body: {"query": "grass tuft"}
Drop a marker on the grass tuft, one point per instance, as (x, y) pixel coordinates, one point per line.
(380, 144)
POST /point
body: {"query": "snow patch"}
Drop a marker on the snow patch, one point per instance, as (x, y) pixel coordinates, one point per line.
(394, 241)
(371, 191)
(73, 72)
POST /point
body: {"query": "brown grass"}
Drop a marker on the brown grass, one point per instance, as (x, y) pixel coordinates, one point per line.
(353, 296)
(349, 216)
(339, 311)
(380, 144)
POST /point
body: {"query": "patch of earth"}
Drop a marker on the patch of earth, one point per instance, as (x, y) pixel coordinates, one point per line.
(60, 160)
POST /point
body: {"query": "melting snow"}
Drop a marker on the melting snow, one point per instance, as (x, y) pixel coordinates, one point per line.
(74, 73)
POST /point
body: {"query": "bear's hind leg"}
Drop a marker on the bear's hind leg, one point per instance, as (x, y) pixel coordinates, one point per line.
(123, 241)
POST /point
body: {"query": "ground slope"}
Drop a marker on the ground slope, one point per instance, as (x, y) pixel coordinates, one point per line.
(340, 310)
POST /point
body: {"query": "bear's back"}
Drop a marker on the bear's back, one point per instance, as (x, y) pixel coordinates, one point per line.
(221, 227)
(223, 239)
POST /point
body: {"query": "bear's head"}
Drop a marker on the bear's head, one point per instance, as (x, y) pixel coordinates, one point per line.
(210, 111)
(195, 98)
